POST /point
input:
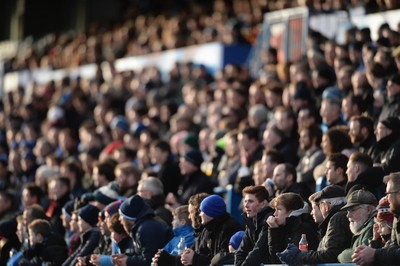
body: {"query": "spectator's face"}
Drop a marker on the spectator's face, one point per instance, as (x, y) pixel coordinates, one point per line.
(326, 145)
(34, 238)
(192, 215)
(281, 214)
(258, 174)
(280, 178)
(104, 228)
(316, 213)
(382, 131)
(98, 179)
(355, 132)
(56, 190)
(73, 224)
(305, 141)
(205, 218)
(393, 196)
(352, 171)
(283, 122)
(20, 231)
(82, 225)
(270, 138)
(116, 237)
(267, 166)
(252, 205)
(186, 167)
(65, 220)
(126, 224)
(357, 216)
(347, 108)
(331, 172)
(27, 198)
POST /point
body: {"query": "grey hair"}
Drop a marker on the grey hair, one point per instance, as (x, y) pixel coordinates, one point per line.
(335, 201)
(152, 184)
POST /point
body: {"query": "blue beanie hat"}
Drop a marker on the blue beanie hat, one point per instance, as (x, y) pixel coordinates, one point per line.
(194, 157)
(68, 208)
(213, 206)
(236, 239)
(89, 214)
(131, 207)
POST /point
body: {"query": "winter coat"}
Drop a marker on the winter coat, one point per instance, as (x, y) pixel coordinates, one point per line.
(390, 254)
(336, 236)
(386, 152)
(255, 240)
(371, 180)
(157, 204)
(170, 175)
(358, 240)
(148, 234)
(89, 241)
(391, 108)
(299, 222)
(185, 231)
(52, 252)
(307, 164)
(194, 183)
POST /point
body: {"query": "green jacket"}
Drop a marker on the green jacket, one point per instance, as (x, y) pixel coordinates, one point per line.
(358, 240)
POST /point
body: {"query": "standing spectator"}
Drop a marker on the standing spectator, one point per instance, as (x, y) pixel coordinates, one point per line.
(251, 251)
(361, 211)
(389, 254)
(147, 233)
(290, 220)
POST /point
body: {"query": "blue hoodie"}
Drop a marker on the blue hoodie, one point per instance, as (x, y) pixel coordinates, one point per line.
(185, 231)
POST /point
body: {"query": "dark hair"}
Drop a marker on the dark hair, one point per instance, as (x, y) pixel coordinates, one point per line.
(195, 201)
(260, 192)
(290, 170)
(361, 158)
(163, 146)
(339, 140)
(34, 191)
(274, 156)
(314, 132)
(115, 225)
(40, 227)
(365, 122)
(251, 133)
(107, 169)
(339, 160)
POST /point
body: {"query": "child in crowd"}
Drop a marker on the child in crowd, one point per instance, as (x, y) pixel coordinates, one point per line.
(46, 247)
(235, 241)
(181, 224)
(383, 225)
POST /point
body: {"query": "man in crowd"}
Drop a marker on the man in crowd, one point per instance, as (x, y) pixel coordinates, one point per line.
(336, 167)
(361, 132)
(252, 250)
(390, 254)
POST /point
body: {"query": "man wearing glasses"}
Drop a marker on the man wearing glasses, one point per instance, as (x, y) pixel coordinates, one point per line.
(390, 254)
(361, 211)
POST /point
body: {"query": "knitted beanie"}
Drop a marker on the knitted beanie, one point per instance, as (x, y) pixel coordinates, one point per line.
(131, 207)
(194, 157)
(213, 206)
(236, 239)
(384, 213)
(105, 195)
(68, 208)
(113, 207)
(89, 214)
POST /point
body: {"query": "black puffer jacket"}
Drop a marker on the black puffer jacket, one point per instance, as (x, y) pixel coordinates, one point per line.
(252, 249)
(386, 152)
(336, 237)
(89, 241)
(299, 222)
(194, 183)
(214, 241)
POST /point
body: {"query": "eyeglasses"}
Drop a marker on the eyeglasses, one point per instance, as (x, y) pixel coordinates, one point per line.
(353, 209)
(392, 192)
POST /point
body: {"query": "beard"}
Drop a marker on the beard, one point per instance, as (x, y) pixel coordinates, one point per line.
(356, 227)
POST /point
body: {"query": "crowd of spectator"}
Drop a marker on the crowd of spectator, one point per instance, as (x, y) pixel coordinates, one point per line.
(124, 170)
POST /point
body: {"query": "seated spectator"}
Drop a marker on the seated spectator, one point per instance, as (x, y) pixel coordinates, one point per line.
(45, 247)
(195, 181)
(336, 167)
(182, 227)
(152, 191)
(127, 176)
(251, 251)
(285, 181)
(361, 211)
(147, 233)
(333, 229)
(383, 225)
(89, 233)
(389, 254)
(361, 132)
(290, 220)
